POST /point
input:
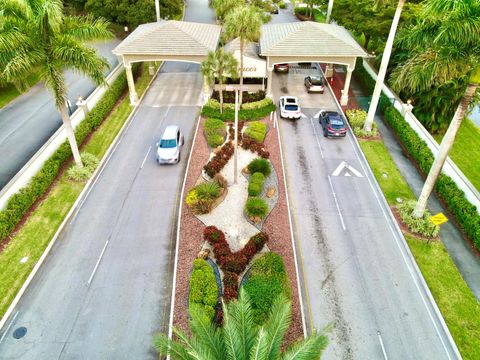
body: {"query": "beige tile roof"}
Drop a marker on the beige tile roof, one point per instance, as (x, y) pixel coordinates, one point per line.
(308, 38)
(171, 38)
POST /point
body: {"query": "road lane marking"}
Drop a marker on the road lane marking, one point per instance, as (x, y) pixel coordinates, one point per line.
(382, 345)
(98, 263)
(316, 137)
(336, 203)
(145, 158)
(8, 327)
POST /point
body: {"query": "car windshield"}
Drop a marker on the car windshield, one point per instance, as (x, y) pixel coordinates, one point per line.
(337, 124)
(316, 80)
(168, 143)
(291, 107)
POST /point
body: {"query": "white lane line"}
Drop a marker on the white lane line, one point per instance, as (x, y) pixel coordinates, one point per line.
(316, 137)
(145, 158)
(98, 263)
(382, 345)
(8, 327)
(336, 203)
(395, 236)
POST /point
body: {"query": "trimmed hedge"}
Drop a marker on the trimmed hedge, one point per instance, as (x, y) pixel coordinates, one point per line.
(266, 281)
(203, 288)
(259, 165)
(250, 111)
(256, 130)
(256, 207)
(255, 186)
(215, 131)
(19, 204)
(465, 213)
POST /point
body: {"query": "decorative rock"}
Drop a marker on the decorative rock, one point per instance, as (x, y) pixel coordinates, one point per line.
(255, 219)
(271, 191)
(203, 254)
(245, 170)
(217, 149)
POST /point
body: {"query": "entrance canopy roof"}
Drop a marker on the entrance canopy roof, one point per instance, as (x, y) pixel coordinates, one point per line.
(169, 40)
(309, 41)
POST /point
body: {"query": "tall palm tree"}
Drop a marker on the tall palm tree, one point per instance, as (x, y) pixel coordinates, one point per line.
(35, 34)
(240, 338)
(329, 11)
(444, 46)
(219, 65)
(243, 22)
(383, 66)
(223, 7)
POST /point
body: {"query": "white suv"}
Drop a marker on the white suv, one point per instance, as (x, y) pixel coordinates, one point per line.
(170, 145)
(289, 107)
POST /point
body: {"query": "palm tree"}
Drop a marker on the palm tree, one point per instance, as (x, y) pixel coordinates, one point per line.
(240, 338)
(219, 65)
(329, 11)
(243, 22)
(444, 46)
(223, 7)
(35, 34)
(383, 66)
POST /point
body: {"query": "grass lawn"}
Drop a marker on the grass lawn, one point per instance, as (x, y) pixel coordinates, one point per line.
(9, 92)
(34, 236)
(466, 151)
(455, 300)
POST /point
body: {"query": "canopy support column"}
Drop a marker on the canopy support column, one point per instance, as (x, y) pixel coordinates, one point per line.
(269, 82)
(346, 88)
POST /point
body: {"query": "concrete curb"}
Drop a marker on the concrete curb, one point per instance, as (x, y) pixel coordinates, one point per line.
(80, 199)
(405, 246)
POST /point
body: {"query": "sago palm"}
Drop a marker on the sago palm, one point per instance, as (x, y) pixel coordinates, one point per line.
(219, 65)
(243, 22)
(444, 46)
(35, 34)
(240, 338)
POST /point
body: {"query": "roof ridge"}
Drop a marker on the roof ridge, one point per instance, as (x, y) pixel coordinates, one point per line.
(200, 40)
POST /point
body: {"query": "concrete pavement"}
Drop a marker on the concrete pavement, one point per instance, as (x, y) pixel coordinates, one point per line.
(28, 122)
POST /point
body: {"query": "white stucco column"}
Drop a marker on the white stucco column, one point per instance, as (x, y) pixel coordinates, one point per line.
(131, 84)
(151, 68)
(206, 90)
(269, 82)
(82, 104)
(344, 98)
(329, 70)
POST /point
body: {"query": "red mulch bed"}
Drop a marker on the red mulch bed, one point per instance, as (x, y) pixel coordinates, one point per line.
(277, 226)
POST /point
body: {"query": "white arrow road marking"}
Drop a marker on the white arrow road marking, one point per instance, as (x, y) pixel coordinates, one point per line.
(344, 165)
(303, 116)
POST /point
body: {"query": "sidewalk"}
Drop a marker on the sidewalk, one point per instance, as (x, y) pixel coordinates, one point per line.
(466, 260)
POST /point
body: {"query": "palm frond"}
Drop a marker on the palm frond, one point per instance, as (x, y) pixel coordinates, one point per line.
(86, 28)
(277, 325)
(231, 338)
(55, 81)
(17, 65)
(243, 22)
(243, 316)
(165, 346)
(260, 348)
(203, 330)
(17, 9)
(48, 16)
(310, 348)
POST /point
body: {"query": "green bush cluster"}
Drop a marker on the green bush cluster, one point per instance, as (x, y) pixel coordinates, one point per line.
(423, 226)
(249, 111)
(79, 174)
(255, 186)
(256, 207)
(356, 118)
(465, 213)
(282, 5)
(260, 165)
(203, 288)
(215, 131)
(256, 130)
(18, 205)
(267, 279)
(201, 197)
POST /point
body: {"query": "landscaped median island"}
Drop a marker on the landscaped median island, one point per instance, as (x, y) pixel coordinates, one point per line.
(240, 229)
(456, 302)
(32, 216)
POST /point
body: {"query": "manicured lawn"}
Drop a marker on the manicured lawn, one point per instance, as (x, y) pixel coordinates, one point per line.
(394, 185)
(466, 151)
(34, 236)
(9, 92)
(455, 300)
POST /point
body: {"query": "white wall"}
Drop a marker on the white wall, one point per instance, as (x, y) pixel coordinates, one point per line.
(450, 169)
(36, 162)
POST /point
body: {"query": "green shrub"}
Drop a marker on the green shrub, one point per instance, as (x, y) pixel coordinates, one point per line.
(215, 131)
(89, 161)
(282, 5)
(203, 288)
(267, 279)
(256, 130)
(256, 207)
(255, 187)
(79, 174)
(19, 204)
(260, 165)
(249, 111)
(208, 190)
(200, 198)
(423, 226)
(356, 118)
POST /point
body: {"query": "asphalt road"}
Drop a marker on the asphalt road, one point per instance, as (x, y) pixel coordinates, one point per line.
(28, 122)
(357, 275)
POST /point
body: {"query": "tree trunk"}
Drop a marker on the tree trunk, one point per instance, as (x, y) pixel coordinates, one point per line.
(329, 11)
(445, 147)
(367, 40)
(220, 83)
(70, 135)
(383, 68)
(242, 43)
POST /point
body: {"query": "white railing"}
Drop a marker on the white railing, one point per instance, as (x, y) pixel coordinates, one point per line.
(29, 170)
(450, 169)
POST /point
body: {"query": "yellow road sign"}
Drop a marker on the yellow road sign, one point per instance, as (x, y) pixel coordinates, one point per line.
(439, 218)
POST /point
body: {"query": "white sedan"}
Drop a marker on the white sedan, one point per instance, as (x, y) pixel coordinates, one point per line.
(289, 107)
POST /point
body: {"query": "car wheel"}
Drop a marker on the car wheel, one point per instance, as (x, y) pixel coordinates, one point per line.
(325, 133)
